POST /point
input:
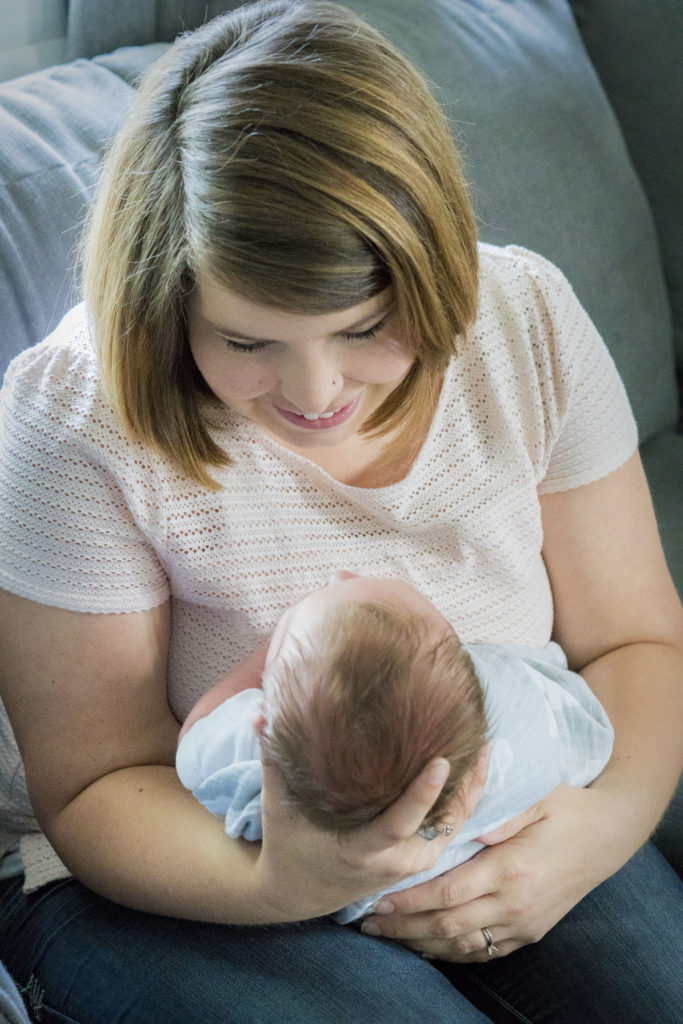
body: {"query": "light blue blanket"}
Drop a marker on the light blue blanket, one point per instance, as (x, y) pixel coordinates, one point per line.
(545, 727)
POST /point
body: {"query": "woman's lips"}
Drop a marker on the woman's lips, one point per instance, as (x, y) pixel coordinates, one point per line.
(323, 422)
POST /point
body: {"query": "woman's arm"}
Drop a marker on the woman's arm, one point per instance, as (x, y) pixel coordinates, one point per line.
(86, 695)
(620, 622)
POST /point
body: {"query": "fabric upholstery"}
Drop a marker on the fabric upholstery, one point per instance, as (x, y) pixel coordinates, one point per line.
(618, 33)
(98, 26)
(54, 126)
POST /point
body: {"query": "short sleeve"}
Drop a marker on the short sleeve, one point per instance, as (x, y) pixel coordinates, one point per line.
(74, 532)
(591, 430)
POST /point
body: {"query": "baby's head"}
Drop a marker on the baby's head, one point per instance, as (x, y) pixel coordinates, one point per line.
(365, 683)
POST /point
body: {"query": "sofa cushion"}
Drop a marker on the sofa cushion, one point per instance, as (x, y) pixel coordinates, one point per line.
(99, 26)
(647, 34)
(55, 124)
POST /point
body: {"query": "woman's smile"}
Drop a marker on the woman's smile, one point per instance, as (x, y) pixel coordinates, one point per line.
(320, 421)
(307, 380)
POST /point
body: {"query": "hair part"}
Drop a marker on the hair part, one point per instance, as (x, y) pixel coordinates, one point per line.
(363, 707)
(290, 151)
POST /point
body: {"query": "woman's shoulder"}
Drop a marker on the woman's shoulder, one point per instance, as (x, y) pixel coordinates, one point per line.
(528, 328)
(53, 395)
(515, 258)
(512, 271)
(58, 377)
(53, 402)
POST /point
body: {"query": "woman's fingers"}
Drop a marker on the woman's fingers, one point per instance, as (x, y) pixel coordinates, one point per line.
(458, 887)
(513, 826)
(401, 820)
(433, 924)
(467, 949)
(456, 935)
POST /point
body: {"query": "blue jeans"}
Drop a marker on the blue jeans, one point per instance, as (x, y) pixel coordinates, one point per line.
(614, 959)
(12, 1010)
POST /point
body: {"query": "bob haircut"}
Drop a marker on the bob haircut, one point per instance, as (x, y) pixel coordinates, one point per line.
(360, 709)
(290, 151)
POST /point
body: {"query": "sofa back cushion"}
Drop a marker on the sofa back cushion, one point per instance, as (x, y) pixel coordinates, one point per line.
(636, 47)
(54, 125)
(543, 150)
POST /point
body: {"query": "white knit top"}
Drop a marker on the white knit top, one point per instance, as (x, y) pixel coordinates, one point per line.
(91, 520)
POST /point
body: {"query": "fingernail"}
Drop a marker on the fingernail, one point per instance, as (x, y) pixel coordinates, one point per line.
(438, 773)
(383, 907)
(370, 928)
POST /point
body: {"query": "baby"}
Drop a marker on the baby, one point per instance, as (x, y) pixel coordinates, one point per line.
(363, 683)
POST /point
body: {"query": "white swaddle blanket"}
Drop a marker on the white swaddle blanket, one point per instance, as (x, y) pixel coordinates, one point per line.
(545, 726)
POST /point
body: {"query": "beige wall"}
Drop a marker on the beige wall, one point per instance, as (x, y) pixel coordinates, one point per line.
(32, 35)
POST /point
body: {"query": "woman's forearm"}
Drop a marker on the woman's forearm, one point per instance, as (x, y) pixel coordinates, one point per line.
(641, 688)
(140, 839)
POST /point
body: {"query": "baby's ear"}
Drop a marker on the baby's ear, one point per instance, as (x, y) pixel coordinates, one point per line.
(259, 724)
(339, 576)
(476, 780)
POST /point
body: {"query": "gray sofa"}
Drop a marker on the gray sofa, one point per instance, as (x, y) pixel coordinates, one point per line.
(567, 117)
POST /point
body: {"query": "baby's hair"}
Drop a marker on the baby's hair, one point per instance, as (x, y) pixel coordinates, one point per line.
(357, 712)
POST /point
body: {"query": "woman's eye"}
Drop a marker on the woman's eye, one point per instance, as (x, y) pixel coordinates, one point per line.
(238, 346)
(366, 335)
(257, 346)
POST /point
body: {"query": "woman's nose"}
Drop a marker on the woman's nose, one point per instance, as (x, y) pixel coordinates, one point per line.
(312, 382)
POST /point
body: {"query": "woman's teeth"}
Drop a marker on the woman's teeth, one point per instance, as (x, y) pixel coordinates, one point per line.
(322, 415)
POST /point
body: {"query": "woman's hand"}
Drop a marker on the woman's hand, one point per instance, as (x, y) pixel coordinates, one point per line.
(620, 623)
(305, 872)
(534, 870)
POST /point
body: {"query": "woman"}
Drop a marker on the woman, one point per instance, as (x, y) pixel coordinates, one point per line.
(293, 357)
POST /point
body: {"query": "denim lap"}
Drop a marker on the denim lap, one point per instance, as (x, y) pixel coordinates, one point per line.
(97, 963)
(80, 958)
(614, 959)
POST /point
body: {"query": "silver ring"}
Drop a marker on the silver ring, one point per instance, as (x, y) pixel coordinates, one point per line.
(491, 949)
(430, 832)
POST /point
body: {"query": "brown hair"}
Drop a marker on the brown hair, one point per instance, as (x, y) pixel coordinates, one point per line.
(289, 150)
(363, 707)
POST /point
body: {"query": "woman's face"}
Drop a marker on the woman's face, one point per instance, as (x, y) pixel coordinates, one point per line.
(308, 381)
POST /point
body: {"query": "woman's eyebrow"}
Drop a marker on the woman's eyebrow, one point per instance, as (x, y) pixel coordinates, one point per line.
(365, 322)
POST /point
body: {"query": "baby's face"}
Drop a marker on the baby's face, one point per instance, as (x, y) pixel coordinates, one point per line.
(302, 619)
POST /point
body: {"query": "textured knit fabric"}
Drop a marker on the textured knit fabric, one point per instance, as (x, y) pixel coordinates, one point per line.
(91, 520)
(545, 726)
